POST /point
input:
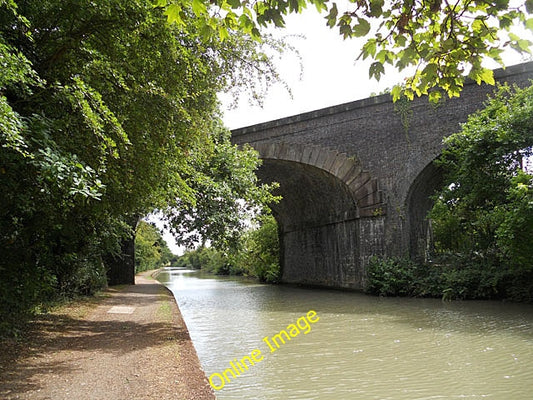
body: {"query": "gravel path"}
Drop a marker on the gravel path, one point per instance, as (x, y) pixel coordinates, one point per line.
(132, 345)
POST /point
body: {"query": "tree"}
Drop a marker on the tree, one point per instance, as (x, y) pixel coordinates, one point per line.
(151, 250)
(485, 212)
(227, 194)
(260, 255)
(442, 41)
(101, 105)
(257, 254)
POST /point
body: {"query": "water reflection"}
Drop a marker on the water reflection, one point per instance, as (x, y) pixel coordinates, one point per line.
(362, 348)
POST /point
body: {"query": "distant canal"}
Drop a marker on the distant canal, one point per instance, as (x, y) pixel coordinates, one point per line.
(362, 347)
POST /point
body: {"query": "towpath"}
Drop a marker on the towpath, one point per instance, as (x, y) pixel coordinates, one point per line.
(132, 343)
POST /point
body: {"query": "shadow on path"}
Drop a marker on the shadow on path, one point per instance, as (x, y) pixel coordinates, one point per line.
(60, 346)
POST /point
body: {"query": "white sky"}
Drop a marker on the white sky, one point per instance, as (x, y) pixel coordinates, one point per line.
(331, 74)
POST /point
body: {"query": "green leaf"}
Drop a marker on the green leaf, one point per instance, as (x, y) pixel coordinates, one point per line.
(345, 30)
(296, 5)
(332, 16)
(223, 33)
(207, 32)
(505, 22)
(406, 57)
(400, 40)
(234, 3)
(369, 48)
(246, 23)
(529, 24)
(173, 13)
(376, 7)
(320, 5)
(199, 8)
(384, 56)
(362, 28)
(448, 44)
(479, 26)
(396, 92)
(519, 44)
(435, 96)
(430, 71)
(495, 54)
(487, 76)
(255, 34)
(529, 6)
(376, 70)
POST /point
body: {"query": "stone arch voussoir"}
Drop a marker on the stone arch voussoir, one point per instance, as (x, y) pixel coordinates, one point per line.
(363, 187)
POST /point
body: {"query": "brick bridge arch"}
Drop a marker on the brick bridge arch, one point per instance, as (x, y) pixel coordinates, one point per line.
(356, 179)
(347, 169)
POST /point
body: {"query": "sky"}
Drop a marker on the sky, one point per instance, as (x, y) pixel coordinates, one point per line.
(330, 76)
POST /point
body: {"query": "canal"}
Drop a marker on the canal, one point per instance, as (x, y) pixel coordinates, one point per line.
(361, 347)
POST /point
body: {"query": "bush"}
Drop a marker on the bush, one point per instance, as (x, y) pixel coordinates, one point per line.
(454, 277)
(259, 256)
(390, 277)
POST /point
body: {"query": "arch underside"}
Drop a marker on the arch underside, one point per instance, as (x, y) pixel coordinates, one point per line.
(347, 170)
(419, 202)
(310, 197)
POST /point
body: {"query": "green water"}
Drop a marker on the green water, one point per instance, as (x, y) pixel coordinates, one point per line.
(361, 347)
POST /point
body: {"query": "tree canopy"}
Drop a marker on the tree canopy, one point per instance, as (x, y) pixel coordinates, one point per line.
(151, 250)
(228, 195)
(485, 211)
(441, 41)
(103, 107)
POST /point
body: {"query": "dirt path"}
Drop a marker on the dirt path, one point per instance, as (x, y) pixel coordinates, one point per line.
(132, 344)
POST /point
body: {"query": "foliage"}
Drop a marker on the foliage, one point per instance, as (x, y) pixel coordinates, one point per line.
(260, 253)
(208, 259)
(515, 233)
(389, 277)
(451, 278)
(441, 41)
(485, 210)
(101, 105)
(227, 194)
(151, 250)
(257, 256)
(482, 218)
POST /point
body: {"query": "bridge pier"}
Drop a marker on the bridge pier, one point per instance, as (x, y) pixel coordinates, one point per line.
(328, 254)
(333, 255)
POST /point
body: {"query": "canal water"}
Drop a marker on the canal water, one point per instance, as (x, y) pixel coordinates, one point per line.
(361, 347)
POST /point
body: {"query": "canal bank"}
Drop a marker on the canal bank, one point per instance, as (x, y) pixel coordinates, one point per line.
(130, 344)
